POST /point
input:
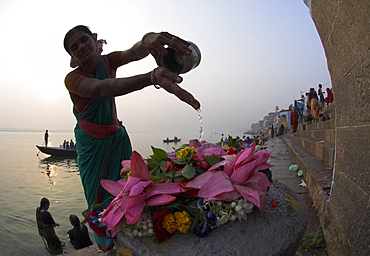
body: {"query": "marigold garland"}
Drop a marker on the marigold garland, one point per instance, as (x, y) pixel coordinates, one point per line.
(179, 221)
(169, 223)
(183, 221)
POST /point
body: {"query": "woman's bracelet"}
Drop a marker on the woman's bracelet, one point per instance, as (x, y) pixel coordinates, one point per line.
(152, 78)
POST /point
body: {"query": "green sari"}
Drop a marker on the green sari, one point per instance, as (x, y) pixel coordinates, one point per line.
(101, 146)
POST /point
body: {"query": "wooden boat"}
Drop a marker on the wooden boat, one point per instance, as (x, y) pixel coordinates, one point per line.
(59, 151)
(171, 140)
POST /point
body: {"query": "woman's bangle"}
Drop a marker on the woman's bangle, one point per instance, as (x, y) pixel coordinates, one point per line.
(152, 78)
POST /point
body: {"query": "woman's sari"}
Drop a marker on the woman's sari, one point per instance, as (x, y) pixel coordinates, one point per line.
(101, 147)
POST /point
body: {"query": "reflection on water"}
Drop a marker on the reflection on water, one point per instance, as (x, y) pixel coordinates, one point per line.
(65, 163)
(50, 164)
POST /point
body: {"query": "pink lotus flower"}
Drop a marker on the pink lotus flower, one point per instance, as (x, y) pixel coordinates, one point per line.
(240, 177)
(135, 193)
(205, 149)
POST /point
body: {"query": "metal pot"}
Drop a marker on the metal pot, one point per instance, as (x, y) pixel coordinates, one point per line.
(178, 63)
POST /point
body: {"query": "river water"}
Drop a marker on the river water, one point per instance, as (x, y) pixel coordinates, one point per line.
(24, 181)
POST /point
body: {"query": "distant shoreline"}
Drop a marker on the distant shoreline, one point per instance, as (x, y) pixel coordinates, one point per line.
(30, 130)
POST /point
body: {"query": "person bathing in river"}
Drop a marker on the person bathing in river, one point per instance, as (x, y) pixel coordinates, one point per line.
(78, 235)
(101, 140)
(46, 224)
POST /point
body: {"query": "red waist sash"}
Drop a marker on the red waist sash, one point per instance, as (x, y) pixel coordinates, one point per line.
(98, 131)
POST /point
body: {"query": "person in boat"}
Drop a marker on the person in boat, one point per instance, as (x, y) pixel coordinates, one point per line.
(46, 138)
(71, 143)
(102, 141)
(78, 235)
(175, 138)
(45, 225)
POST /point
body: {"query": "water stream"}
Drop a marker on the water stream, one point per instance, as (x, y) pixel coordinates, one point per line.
(201, 132)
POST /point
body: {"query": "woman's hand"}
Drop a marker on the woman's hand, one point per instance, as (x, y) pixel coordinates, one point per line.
(167, 80)
(155, 42)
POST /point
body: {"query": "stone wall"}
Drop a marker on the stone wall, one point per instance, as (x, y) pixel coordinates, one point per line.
(344, 29)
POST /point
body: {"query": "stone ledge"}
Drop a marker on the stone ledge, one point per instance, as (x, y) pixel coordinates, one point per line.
(319, 148)
(277, 232)
(325, 134)
(317, 175)
(329, 124)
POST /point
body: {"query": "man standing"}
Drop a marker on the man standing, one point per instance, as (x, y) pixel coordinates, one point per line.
(46, 138)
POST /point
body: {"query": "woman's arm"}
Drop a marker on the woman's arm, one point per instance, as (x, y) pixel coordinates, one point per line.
(112, 87)
(153, 43)
(136, 52)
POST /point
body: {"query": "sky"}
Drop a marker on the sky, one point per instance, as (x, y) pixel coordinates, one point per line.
(256, 54)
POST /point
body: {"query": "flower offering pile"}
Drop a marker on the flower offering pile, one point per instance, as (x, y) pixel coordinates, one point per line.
(196, 188)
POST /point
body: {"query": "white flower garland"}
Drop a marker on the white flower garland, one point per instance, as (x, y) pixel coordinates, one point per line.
(224, 211)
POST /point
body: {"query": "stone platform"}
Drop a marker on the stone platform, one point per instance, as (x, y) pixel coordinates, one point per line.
(277, 232)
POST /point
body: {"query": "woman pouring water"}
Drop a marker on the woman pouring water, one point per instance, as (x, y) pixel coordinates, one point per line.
(101, 140)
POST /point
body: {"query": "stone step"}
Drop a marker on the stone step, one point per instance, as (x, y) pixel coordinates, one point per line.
(321, 125)
(329, 110)
(317, 174)
(319, 148)
(325, 134)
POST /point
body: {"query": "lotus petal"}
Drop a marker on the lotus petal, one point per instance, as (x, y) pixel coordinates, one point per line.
(160, 200)
(200, 180)
(259, 181)
(244, 156)
(139, 187)
(215, 151)
(194, 143)
(210, 149)
(126, 164)
(111, 186)
(227, 164)
(243, 173)
(113, 215)
(215, 185)
(165, 188)
(250, 194)
(227, 196)
(263, 198)
(122, 182)
(138, 166)
(135, 207)
(131, 181)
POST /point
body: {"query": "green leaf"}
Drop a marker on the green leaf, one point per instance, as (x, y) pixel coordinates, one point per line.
(156, 179)
(85, 213)
(178, 178)
(96, 206)
(313, 240)
(195, 222)
(158, 154)
(199, 170)
(188, 172)
(212, 160)
(193, 211)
